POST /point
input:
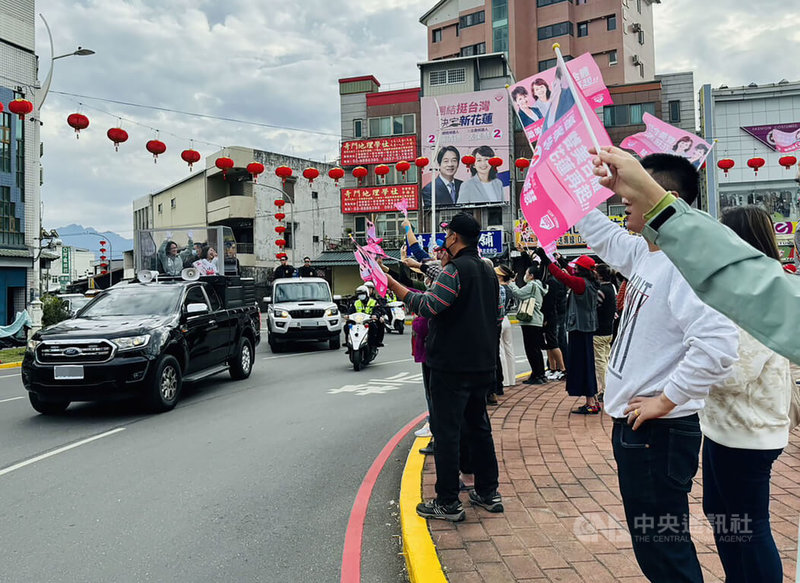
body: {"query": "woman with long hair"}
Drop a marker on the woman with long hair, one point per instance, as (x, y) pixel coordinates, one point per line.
(745, 425)
(682, 146)
(527, 115)
(484, 186)
(541, 96)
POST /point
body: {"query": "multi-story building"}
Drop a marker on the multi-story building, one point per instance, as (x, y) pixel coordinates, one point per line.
(619, 33)
(246, 206)
(72, 265)
(19, 161)
(757, 121)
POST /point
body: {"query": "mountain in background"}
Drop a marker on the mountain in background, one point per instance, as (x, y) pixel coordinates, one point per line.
(88, 238)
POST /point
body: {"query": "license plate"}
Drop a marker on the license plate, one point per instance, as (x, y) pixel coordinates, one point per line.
(309, 324)
(68, 372)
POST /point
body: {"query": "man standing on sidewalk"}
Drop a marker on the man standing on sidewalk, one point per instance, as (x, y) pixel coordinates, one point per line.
(463, 306)
(670, 349)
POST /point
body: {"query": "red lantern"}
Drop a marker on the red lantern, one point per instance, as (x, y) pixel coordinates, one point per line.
(755, 164)
(156, 147)
(495, 162)
(103, 257)
(281, 256)
(336, 174)
(104, 272)
(421, 162)
(117, 135)
(522, 163)
(224, 163)
(21, 107)
(360, 172)
(79, 122)
(283, 172)
(787, 161)
(102, 242)
(468, 161)
(382, 170)
(279, 216)
(726, 164)
(1, 108)
(310, 174)
(280, 229)
(279, 202)
(402, 166)
(280, 242)
(103, 264)
(190, 157)
(255, 168)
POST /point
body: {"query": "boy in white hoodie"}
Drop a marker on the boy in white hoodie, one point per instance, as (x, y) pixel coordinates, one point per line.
(670, 349)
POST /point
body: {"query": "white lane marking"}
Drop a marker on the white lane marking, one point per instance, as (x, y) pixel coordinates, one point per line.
(44, 456)
(380, 386)
(391, 362)
(287, 355)
(11, 399)
(8, 376)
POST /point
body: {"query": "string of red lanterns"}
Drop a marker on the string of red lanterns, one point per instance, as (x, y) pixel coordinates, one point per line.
(756, 163)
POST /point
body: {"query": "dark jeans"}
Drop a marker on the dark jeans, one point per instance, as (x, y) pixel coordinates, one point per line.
(498, 388)
(459, 400)
(655, 466)
(533, 340)
(736, 502)
(465, 463)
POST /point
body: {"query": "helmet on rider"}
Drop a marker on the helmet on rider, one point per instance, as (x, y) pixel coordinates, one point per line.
(370, 286)
(362, 293)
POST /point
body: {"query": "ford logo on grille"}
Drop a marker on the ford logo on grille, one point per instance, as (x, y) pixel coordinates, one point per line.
(72, 351)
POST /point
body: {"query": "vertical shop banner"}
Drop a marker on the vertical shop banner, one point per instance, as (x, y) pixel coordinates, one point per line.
(560, 187)
(533, 97)
(663, 138)
(468, 124)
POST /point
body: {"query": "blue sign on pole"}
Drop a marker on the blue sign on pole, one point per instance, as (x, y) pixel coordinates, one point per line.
(490, 242)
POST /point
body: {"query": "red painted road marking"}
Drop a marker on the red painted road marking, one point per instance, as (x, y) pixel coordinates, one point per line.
(351, 557)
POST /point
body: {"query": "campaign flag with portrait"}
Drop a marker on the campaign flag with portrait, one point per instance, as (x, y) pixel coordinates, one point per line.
(532, 97)
(560, 187)
(476, 125)
(662, 138)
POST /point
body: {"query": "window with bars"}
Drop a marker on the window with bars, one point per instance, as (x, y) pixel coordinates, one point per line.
(447, 77)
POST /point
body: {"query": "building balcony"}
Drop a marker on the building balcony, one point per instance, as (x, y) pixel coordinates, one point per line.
(231, 207)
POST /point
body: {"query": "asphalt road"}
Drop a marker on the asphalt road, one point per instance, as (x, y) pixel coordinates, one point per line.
(244, 481)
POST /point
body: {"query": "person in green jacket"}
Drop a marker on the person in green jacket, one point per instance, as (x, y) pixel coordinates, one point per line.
(726, 272)
(532, 331)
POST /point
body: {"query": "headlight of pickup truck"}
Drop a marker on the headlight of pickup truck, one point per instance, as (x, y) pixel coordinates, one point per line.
(331, 312)
(131, 342)
(281, 313)
(32, 344)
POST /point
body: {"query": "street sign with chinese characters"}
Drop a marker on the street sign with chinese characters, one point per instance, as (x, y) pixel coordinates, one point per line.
(490, 242)
(379, 199)
(379, 151)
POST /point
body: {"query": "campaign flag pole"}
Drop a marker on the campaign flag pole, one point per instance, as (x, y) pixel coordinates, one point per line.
(564, 71)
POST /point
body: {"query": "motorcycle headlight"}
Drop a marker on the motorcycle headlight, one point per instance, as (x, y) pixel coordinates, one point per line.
(331, 312)
(281, 313)
(32, 344)
(131, 342)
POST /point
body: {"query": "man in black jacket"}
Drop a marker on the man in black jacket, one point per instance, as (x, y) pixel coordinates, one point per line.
(284, 269)
(306, 270)
(463, 306)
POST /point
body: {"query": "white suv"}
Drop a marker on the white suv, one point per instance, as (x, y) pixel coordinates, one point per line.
(302, 308)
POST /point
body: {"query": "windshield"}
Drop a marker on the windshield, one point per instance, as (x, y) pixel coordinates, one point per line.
(76, 304)
(135, 300)
(303, 292)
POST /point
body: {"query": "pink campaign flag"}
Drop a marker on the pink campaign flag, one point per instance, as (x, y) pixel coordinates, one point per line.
(370, 270)
(402, 206)
(533, 97)
(560, 187)
(373, 242)
(662, 138)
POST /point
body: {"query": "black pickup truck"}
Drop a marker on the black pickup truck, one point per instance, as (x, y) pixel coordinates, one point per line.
(145, 340)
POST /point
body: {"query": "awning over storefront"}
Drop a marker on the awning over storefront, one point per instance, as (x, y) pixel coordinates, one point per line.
(343, 258)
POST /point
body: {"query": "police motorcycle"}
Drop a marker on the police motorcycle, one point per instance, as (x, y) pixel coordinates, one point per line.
(395, 316)
(360, 349)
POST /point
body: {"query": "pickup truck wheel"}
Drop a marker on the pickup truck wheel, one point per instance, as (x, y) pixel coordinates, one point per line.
(242, 362)
(47, 407)
(166, 387)
(335, 343)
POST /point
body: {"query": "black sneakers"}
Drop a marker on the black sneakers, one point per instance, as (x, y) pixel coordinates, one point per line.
(492, 503)
(453, 512)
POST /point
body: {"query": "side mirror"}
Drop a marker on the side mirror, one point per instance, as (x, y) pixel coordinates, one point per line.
(267, 299)
(337, 298)
(196, 309)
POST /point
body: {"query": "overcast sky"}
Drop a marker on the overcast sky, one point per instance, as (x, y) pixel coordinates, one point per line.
(277, 63)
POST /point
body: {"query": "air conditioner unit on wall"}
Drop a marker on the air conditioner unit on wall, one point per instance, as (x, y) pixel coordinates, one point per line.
(636, 60)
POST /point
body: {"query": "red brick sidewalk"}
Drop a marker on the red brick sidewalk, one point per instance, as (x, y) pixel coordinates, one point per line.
(563, 517)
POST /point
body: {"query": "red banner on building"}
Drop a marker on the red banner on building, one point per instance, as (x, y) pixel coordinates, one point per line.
(379, 151)
(379, 199)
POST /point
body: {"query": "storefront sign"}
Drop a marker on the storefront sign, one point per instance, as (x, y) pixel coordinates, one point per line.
(379, 151)
(378, 199)
(782, 137)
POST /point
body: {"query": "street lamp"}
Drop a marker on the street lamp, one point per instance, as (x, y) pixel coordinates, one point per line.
(81, 52)
(53, 241)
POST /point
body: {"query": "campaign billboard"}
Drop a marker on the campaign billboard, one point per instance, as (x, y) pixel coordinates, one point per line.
(379, 151)
(782, 137)
(466, 124)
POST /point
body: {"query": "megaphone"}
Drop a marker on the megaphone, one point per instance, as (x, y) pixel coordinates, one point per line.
(190, 274)
(146, 276)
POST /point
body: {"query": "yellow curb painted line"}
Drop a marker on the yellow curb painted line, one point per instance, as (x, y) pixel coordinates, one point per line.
(422, 562)
(11, 365)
